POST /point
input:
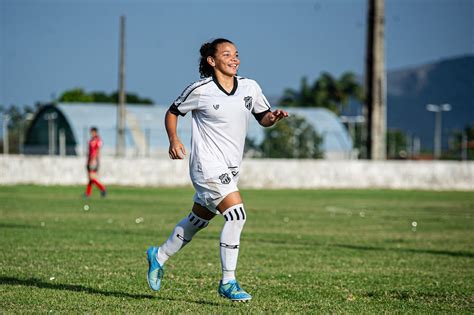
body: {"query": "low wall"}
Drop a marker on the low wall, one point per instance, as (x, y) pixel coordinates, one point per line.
(255, 173)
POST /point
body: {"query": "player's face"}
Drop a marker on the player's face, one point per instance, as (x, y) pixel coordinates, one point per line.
(93, 133)
(226, 59)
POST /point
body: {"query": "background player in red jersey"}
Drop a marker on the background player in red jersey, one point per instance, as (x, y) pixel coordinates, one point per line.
(95, 143)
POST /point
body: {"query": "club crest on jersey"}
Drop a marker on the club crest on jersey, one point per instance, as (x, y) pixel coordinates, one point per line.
(248, 102)
(216, 106)
(225, 179)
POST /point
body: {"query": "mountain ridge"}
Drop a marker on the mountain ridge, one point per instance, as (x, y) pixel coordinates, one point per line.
(409, 90)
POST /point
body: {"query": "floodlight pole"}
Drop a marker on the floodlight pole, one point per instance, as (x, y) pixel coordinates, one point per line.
(120, 149)
(437, 109)
(375, 82)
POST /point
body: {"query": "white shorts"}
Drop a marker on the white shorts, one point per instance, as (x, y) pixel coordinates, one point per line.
(213, 187)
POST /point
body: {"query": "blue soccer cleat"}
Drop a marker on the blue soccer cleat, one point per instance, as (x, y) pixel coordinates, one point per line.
(233, 291)
(155, 271)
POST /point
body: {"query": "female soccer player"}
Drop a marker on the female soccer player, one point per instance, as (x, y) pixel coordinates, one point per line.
(95, 143)
(221, 104)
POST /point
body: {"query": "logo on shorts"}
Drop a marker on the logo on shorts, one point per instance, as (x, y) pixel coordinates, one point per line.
(248, 102)
(216, 106)
(225, 179)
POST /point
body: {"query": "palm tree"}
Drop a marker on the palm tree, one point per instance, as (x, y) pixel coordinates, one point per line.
(301, 98)
(326, 92)
(325, 89)
(347, 88)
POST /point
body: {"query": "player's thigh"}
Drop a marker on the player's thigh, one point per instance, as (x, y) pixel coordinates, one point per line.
(230, 200)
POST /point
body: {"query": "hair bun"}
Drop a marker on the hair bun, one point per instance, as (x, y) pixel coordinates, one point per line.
(204, 49)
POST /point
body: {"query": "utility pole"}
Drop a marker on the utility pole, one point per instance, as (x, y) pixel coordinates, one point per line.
(375, 78)
(120, 147)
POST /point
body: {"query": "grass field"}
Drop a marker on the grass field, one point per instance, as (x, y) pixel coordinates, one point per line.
(302, 251)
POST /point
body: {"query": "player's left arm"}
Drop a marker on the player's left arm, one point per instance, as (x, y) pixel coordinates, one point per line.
(271, 118)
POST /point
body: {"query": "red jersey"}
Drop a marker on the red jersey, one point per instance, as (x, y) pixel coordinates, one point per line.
(95, 143)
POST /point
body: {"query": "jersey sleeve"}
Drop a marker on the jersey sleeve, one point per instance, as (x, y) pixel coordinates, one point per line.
(261, 105)
(187, 101)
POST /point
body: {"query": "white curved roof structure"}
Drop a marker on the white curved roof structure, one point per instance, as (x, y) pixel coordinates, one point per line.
(145, 124)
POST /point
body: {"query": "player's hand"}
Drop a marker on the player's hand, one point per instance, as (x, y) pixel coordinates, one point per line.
(176, 150)
(277, 115)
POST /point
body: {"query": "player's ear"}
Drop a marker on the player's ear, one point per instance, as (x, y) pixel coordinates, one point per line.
(211, 61)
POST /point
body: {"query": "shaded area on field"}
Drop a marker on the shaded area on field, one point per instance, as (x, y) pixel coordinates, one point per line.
(405, 294)
(409, 250)
(33, 282)
(425, 297)
(313, 243)
(17, 226)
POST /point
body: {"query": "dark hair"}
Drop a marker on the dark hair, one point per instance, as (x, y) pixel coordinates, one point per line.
(94, 129)
(209, 50)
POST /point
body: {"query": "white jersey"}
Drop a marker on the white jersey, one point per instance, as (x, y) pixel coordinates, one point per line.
(219, 121)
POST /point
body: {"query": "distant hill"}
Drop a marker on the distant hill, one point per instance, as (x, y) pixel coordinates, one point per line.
(446, 81)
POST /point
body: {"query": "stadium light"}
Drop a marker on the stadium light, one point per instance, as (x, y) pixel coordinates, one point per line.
(437, 109)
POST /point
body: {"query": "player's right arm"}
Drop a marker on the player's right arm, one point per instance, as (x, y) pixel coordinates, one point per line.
(176, 149)
(186, 102)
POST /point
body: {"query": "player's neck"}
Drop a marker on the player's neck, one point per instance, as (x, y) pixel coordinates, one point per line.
(226, 81)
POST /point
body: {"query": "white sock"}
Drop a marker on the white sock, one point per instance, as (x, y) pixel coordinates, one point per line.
(181, 235)
(235, 218)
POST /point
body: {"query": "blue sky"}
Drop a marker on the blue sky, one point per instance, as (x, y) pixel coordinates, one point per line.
(49, 46)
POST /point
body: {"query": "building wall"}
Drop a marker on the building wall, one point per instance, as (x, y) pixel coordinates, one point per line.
(256, 173)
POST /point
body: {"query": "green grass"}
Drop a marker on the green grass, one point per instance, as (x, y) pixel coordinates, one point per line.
(302, 251)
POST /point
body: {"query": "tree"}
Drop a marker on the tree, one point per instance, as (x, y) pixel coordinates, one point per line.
(292, 137)
(131, 98)
(78, 95)
(463, 143)
(326, 92)
(17, 125)
(100, 97)
(347, 87)
(396, 144)
(302, 98)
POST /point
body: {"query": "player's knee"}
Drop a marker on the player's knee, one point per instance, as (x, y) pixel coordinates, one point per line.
(236, 215)
(189, 226)
(196, 221)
